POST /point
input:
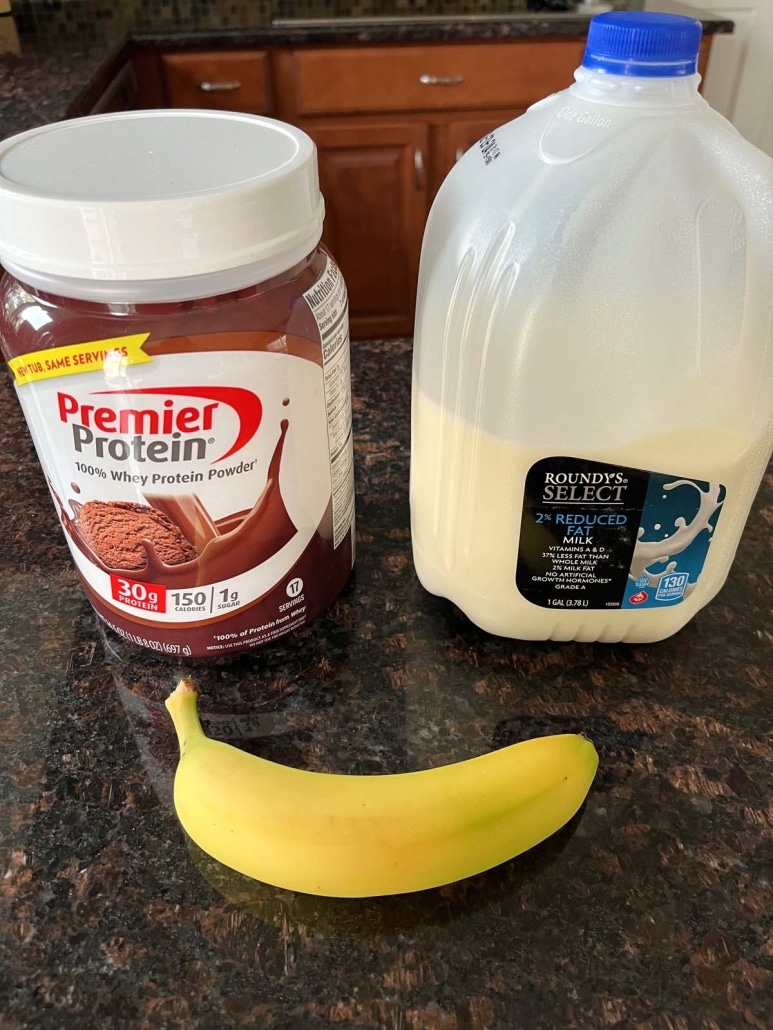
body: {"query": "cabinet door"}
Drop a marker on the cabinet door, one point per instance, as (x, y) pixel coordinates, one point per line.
(374, 181)
(456, 138)
(227, 80)
(120, 94)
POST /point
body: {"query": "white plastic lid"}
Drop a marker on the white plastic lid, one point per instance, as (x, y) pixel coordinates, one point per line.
(149, 195)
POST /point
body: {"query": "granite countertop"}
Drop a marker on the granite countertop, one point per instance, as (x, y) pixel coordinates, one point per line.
(42, 86)
(651, 909)
(54, 72)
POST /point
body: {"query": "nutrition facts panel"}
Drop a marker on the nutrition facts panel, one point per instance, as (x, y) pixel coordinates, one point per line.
(329, 305)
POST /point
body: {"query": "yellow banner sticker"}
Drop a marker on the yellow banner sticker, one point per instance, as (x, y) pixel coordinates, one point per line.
(108, 355)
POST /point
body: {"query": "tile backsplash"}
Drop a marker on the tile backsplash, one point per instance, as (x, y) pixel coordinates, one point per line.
(93, 21)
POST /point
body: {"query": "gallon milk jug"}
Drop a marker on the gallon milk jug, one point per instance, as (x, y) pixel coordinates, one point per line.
(593, 371)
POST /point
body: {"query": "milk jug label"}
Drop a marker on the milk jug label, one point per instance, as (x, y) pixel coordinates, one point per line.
(595, 535)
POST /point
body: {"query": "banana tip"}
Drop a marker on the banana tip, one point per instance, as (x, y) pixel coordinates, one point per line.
(590, 747)
(587, 740)
(183, 688)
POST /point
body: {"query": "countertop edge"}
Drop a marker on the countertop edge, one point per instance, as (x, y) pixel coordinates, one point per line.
(499, 29)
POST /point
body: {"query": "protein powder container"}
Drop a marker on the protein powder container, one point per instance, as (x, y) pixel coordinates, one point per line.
(180, 346)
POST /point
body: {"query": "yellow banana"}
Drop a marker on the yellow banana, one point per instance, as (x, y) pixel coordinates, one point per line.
(362, 836)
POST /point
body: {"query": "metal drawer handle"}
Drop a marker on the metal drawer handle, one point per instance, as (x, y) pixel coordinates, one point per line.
(459, 153)
(418, 167)
(441, 80)
(219, 87)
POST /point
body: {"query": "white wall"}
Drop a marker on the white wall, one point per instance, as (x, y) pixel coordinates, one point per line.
(739, 78)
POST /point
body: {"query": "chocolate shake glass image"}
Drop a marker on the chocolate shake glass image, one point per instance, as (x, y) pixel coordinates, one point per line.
(188, 393)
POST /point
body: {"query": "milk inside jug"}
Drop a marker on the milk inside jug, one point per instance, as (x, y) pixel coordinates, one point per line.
(592, 404)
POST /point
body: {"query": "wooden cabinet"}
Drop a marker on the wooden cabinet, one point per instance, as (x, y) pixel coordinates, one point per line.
(454, 76)
(119, 95)
(374, 180)
(389, 122)
(224, 80)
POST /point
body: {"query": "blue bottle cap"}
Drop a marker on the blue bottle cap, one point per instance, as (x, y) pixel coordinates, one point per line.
(643, 43)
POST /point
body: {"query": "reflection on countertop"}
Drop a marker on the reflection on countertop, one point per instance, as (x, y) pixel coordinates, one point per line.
(651, 908)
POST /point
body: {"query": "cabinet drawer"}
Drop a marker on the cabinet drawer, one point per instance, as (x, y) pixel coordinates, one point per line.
(431, 78)
(226, 80)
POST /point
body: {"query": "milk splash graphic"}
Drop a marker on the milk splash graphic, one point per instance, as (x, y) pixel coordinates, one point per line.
(651, 552)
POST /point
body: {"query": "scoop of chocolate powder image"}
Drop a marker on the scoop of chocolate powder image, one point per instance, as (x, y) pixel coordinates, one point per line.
(114, 530)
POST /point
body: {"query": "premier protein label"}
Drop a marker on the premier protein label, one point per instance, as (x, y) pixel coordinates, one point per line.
(155, 427)
(215, 490)
(191, 503)
(137, 433)
(604, 536)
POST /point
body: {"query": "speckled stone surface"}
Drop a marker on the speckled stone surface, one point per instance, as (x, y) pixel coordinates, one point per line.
(66, 45)
(41, 86)
(652, 909)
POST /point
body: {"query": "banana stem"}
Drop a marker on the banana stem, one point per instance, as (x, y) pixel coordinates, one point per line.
(181, 705)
